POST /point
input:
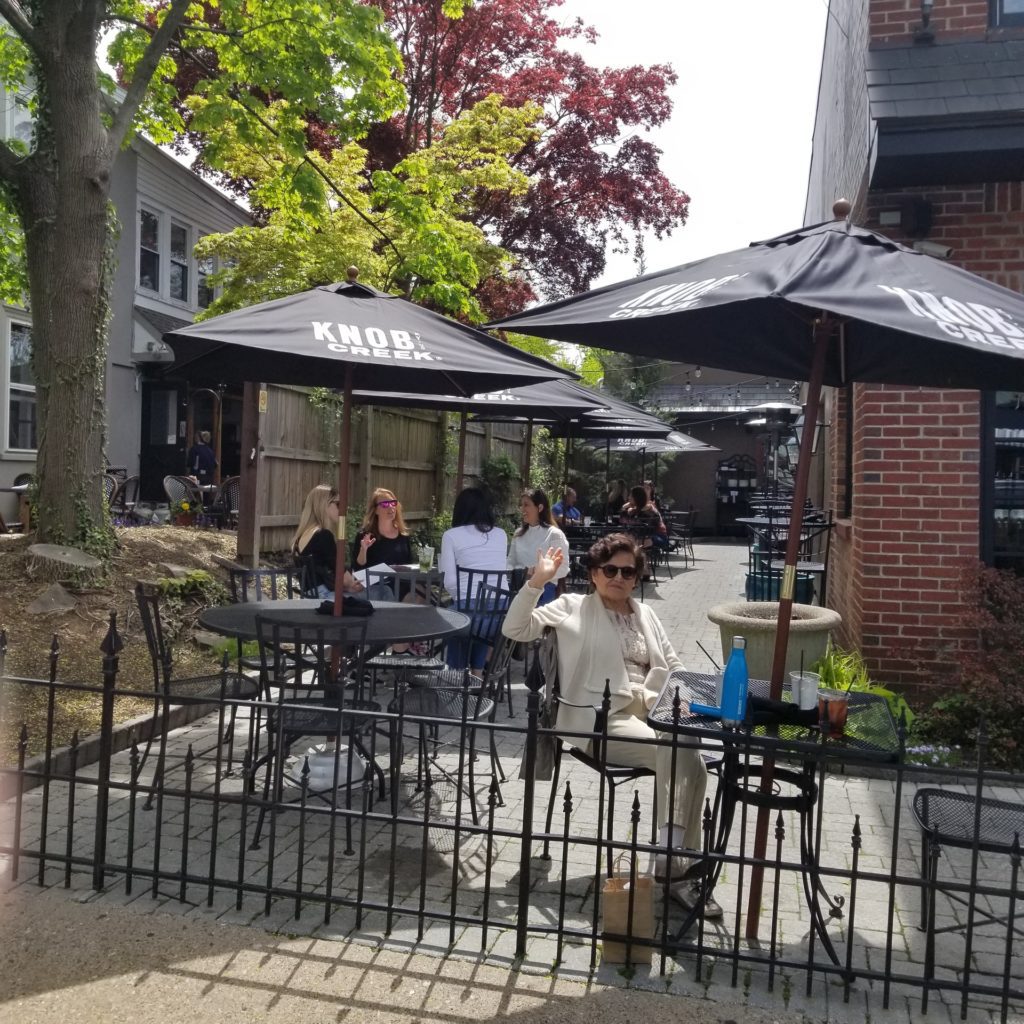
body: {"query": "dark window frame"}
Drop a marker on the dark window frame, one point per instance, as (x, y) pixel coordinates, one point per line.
(1000, 18)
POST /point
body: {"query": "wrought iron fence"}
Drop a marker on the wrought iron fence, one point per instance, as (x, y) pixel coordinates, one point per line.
(912, 892)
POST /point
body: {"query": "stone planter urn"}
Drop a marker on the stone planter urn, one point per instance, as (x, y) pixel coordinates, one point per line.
(756, 620)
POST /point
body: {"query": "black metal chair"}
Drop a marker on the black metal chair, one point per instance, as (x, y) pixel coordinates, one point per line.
(227, 500)
(614, 775)
(180, 489)
(109, 488)
(957, 819)
(125, 498)
(213, 688)
(313, 698)
(467, 583)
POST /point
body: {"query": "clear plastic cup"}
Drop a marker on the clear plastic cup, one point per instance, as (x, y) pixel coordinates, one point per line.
(803, 687)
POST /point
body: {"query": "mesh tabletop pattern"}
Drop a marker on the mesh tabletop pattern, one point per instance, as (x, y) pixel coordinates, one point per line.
(391, 622)
(870, 731)
(953, 817)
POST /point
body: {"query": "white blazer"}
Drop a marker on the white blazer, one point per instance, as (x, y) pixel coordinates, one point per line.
(589, 651)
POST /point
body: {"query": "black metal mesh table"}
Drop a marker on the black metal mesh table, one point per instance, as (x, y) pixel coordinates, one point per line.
(749, 753)
(391, 622)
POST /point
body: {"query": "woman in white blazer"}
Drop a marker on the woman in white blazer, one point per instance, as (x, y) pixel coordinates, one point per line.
(607, 636)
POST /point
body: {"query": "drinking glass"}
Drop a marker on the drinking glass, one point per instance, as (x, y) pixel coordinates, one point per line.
(426, 557)
(832, 708)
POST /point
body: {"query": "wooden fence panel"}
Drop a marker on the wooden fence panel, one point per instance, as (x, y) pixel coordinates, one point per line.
(401, 449)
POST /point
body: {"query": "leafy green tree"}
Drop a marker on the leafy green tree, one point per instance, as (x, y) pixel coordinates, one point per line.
(329, 56)
(404, 227)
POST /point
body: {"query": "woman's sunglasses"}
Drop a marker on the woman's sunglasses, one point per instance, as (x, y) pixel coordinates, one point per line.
(611, 571)
(387, 503)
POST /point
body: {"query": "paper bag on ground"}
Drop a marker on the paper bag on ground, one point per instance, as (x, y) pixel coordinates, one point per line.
(615, 906)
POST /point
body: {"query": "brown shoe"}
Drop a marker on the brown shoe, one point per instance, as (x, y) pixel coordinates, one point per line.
(688, 896)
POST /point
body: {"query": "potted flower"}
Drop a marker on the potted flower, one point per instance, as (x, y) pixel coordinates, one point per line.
(182, 513)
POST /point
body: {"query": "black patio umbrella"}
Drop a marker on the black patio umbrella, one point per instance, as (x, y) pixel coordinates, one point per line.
(345, 336)
(673, 443)
(829, 304)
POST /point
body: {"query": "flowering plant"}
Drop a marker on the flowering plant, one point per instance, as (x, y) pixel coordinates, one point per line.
(181, 507)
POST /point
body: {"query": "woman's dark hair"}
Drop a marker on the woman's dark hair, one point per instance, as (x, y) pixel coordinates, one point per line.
(608, 546)
(540, 499)
(638, 496)
(473, 508)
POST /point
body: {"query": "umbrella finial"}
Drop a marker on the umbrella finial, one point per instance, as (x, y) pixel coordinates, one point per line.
(841, 209)
(352, 273)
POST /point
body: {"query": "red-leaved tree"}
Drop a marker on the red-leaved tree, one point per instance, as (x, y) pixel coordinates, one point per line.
(594, 182)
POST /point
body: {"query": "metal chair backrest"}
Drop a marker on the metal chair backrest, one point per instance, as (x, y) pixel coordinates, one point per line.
(147, 597)
(229, 496)
(248, 585)
(311, 676)
(109, 488)
(307, 576)
(468, 581)
(180, 488)
(126, 496)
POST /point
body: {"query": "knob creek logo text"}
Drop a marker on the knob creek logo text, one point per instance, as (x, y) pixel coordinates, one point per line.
(376, 342)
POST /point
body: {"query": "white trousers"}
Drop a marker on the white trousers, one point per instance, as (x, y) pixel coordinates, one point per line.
(691, 774)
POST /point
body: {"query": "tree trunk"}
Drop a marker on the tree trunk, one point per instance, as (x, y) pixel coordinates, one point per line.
(64, 202)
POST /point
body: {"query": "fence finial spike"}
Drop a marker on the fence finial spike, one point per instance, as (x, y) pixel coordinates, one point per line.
(112, 642)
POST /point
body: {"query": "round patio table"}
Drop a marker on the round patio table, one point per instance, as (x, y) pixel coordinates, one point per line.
(392, 621)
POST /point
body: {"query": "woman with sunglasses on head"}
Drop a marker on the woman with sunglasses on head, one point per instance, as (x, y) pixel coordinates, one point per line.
(606, 636)
(315, 540)
(383, 539)
(538, 533)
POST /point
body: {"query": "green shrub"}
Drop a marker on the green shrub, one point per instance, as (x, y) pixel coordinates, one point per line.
(990, 676)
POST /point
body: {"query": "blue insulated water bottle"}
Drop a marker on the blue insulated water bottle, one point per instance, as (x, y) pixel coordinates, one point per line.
(734, 684)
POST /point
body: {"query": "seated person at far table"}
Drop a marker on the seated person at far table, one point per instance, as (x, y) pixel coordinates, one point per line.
(383, 539)
(607, 636)
(565, 511)
(316, 537)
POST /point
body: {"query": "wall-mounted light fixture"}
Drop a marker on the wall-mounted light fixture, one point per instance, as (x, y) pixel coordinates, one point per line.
(925, 34)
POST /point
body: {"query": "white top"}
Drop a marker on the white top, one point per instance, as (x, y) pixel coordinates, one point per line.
(522, 551)
(470, 548)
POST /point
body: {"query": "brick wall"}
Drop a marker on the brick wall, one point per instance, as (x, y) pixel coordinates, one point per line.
(896, 21)
(898, 562)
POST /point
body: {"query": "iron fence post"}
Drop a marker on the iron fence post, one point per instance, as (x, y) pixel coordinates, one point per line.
(110, 647)
(526, 843)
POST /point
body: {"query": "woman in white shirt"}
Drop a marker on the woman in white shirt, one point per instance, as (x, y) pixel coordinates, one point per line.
(538, 533)
(473, 542)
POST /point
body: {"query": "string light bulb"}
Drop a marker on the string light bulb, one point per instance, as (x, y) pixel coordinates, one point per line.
(689, 386)
(698, 373)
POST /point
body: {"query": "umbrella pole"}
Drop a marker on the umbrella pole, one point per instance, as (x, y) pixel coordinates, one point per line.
(607, 463)
(529, 453)
(346, 441)
(823, 329)
(460, 470)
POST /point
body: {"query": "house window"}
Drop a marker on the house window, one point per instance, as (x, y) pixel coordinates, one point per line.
(149, 250)
(179, 262)
(1007, 13)
(204, 268)
(21, 395)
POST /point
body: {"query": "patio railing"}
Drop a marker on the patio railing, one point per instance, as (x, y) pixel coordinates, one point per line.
(435, 864)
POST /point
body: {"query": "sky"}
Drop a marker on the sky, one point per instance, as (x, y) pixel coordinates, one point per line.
(739, 139)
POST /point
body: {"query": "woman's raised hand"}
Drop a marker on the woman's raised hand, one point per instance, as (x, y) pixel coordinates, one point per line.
(548, 563)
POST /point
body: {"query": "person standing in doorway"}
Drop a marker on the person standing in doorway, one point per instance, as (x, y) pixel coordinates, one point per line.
(202, 463)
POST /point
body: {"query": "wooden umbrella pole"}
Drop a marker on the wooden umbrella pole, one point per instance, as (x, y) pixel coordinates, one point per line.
(823, 329)
(346, 442)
